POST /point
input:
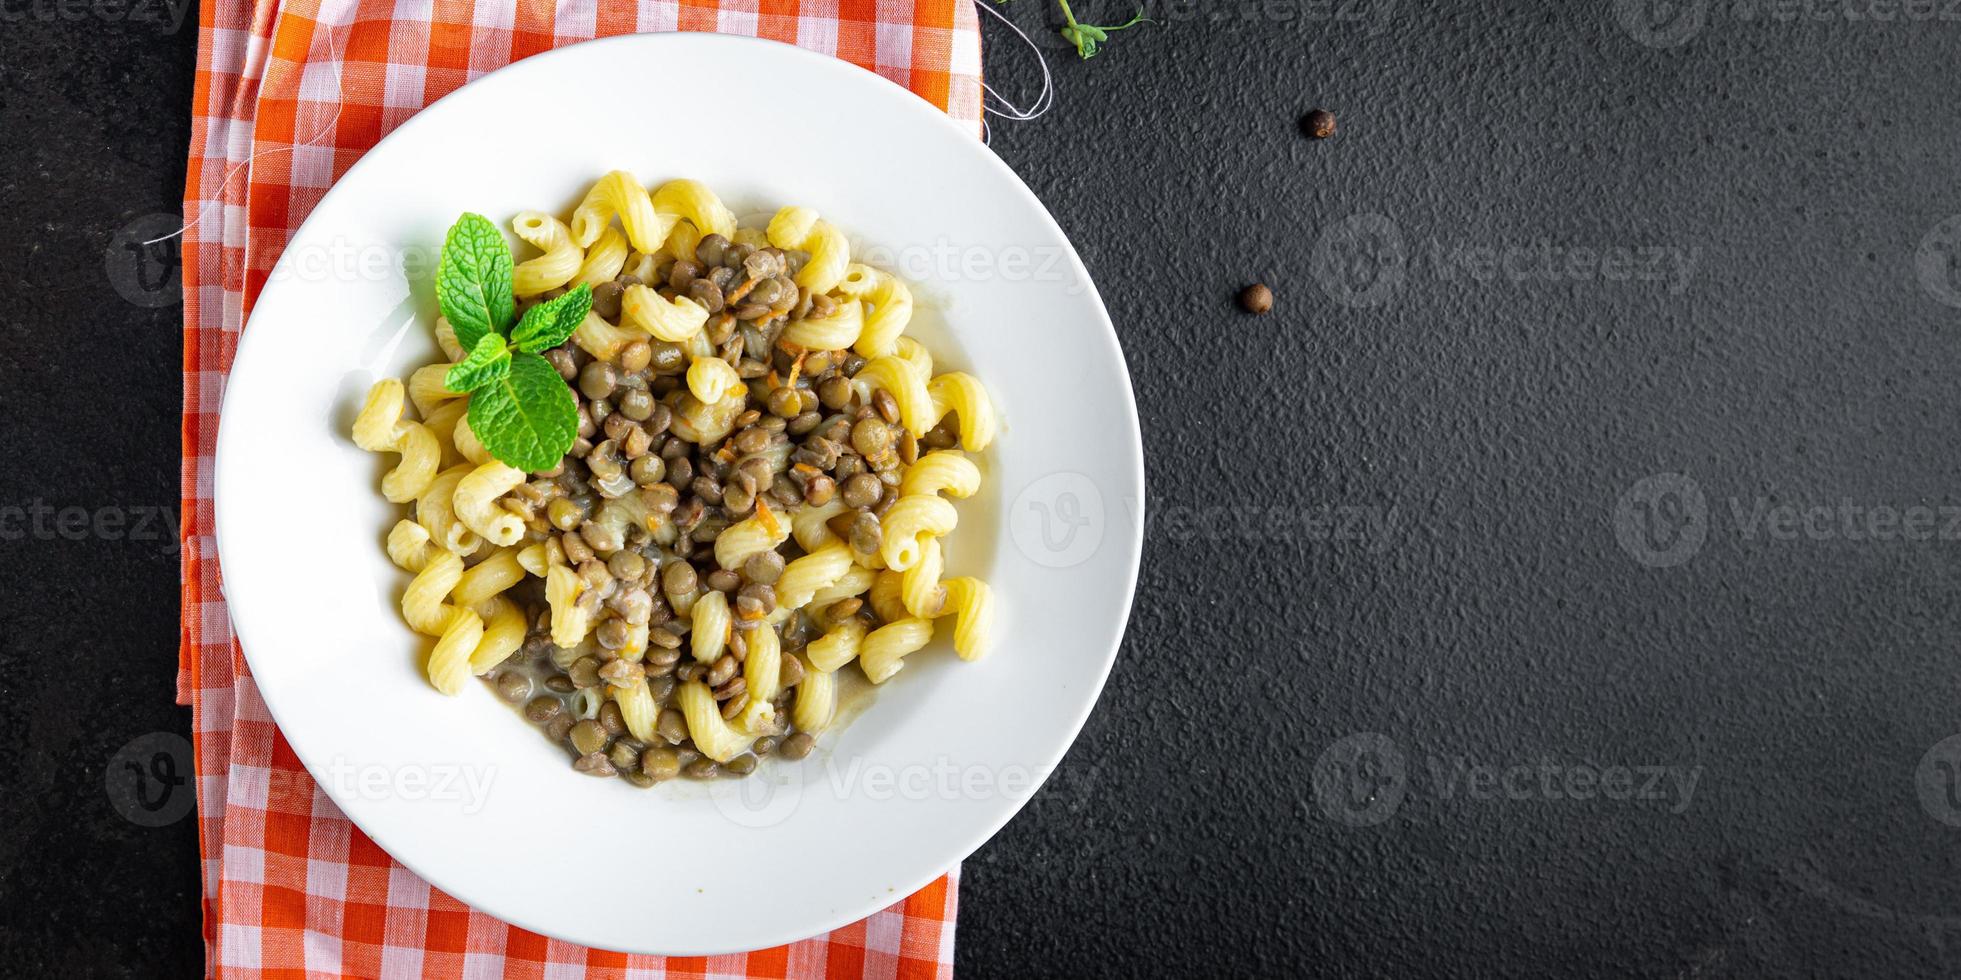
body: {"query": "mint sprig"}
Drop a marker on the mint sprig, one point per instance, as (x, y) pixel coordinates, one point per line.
(520, 409)
(473, 280)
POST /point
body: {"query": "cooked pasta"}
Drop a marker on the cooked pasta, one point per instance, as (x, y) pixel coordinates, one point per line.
(971, 603)
(604, 259)
(891, 302)
(919, 586)
(895, 375)
(834, 332)
(816, 701)
(884, 649)
(913, 516)
(381, 428)
(756, 492)
(710, 632)
(711, 734)
(618, 193)
(838, 647)
(948, 471)
(961, 393)
(475, 503)
(561, 258)
(670, 320)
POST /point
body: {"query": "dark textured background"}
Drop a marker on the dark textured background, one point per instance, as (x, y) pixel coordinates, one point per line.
(1267, 781)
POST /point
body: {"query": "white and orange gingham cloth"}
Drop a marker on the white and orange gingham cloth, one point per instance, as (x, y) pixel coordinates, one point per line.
(301, 90)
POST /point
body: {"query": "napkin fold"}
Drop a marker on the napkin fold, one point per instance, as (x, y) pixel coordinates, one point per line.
(288, 96)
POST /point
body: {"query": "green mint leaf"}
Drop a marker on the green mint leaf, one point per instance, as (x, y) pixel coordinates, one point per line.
(546, 325)
(527, 417)
(473, 281)
(487, 362)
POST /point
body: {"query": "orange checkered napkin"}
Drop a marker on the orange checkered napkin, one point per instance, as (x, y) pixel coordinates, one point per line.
(301, 89)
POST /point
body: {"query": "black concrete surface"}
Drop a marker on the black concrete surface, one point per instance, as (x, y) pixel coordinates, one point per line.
(1560, 581)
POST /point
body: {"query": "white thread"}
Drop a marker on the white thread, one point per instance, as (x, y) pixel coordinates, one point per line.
(1043, 102)
(218, 196)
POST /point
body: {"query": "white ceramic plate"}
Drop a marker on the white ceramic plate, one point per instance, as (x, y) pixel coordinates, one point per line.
(466, 793)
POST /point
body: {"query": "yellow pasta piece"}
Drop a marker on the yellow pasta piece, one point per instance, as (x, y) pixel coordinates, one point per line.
(802, 578)
(816, 701)
(422, 601)
(488, 578)
(809, 525)
(896, 375)
(838, 647)
(712, 735)
(747, 538)
(891, 302)
(711, 379)
(560, 261)
(920, 585)
(948, 471)
(446, 339)
(857, 581)
(962, 393)
(914, 516)
(709, 633)
(601, 339)
(619, 193)
(570, 624)
(380, 428)
(761, 677)
(449, 662)
(971, 602)
(467, 444)
(858, 282)
(887, 596)
(800, 228)
(604, 259)
(504, 628)
(427, 390)
(675, 321)
(476, 503)
(435, 509)
(834, 332)
(693, 202)
(637, 708)
(885, 648)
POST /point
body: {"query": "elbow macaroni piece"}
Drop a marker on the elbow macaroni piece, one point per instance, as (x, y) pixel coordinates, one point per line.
(467, 444)
(380, 428)
(885, 648)
(561, 258)
(810, 525)
(604, 260)
(435, 509)
(427, 390)
(601, 339)
(857, 581)
(801, 579)
(446, 339)
(422, 601)
(816, 701)
(693, 202)
(637, 708)
(674, 322)
(710, 632)
(834, 332)
(919, 586)
(712, 735)
(830, 254)
(570, 623)
(838, 647)
(449, 662)
(489, 578)
(971, 603)
(762, 673)
(912, 517)
(619, 193)
(887, 596)
(503, 632)
(891, 311)
(476, 503)
(896, 375)
(711, 379)
(962, 393)
(743, 540)
(948, 471)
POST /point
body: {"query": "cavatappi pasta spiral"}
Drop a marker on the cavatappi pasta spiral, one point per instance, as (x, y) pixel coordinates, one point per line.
(760, 492)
